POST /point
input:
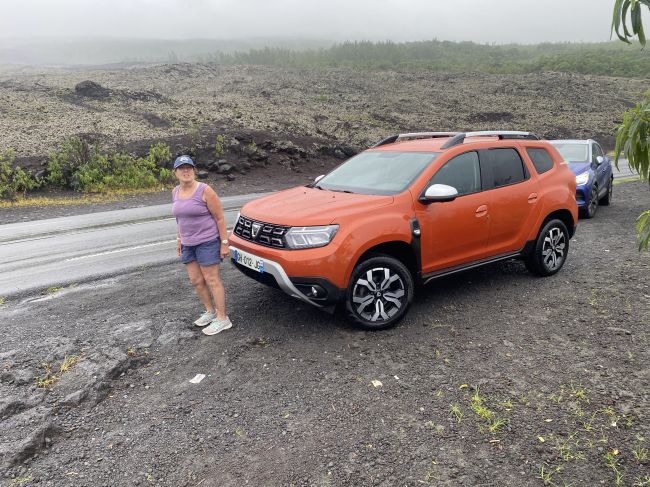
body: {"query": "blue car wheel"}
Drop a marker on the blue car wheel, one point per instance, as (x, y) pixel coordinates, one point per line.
(592, 205)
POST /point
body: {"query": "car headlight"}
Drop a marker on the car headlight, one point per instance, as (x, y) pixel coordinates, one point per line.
(310, 237)
(582, 178)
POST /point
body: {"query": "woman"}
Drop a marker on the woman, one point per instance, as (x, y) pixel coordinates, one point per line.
(201, 243)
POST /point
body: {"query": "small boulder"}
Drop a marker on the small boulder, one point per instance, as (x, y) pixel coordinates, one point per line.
(225, 168)
(202, 174)
(90, 89)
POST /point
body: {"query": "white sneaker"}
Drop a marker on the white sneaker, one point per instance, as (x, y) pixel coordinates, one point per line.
(217, 325)
(205, 319)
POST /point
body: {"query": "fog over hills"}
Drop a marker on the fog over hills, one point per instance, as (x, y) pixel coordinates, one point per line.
(99, 51)
(84, 32)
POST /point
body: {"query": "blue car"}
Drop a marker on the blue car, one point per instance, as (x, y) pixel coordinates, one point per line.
(593, 170)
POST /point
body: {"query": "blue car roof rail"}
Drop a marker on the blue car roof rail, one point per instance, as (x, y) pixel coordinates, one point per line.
(414, 136)
(502, 134)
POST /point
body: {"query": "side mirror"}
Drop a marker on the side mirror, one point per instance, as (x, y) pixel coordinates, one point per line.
(440, 192)
(600, 160)
(318, 178)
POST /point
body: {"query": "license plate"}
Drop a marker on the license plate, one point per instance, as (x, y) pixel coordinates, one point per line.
(248, 260)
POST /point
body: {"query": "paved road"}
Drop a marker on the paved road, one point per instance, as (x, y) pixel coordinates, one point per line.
(623, 170)
(60, 251)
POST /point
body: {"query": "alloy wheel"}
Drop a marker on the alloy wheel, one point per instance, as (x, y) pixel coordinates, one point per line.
(378, 294)
(553, 248)
(593, 202)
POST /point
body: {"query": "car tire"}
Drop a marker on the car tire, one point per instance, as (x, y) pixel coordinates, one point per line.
(550, 250)
(379, 293)
(592, 206)
(607, 199)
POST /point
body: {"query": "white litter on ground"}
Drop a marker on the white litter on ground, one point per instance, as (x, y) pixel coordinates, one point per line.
(197, 378)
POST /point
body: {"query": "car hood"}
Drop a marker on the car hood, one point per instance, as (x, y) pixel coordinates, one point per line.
(579, 167)
(304, 206)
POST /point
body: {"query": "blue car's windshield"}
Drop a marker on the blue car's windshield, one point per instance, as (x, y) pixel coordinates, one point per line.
(378, 172)
(573, 152)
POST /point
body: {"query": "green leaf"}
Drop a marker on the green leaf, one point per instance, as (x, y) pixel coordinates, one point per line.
(643, 230)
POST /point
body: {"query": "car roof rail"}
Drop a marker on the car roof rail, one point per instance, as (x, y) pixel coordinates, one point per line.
(414, 136)
(387, 140)
(502, 134)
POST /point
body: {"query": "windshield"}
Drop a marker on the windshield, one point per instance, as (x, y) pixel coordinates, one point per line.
(573, 152)
(378, 172)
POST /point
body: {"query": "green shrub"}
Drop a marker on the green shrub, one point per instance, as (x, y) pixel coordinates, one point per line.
(14, 180)
(220, 146)
(166, 175)
(7, 190)
(160, 154)
(84, 168)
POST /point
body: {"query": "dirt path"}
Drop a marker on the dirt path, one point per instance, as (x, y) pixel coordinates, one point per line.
(494, 378)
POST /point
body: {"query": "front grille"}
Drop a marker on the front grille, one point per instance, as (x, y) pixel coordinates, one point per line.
(261, 233)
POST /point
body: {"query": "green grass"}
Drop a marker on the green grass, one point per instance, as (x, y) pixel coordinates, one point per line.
(84, 199)
(20, 481)
(457, 412)
(49, 378)
(626, 180)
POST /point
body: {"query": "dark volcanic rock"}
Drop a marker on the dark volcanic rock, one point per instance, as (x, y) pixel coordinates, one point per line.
(90, 89)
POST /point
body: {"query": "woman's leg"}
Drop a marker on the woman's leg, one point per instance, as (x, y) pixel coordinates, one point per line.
(212, 278)
(199, 284)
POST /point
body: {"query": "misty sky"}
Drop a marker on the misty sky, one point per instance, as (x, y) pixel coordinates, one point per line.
(484, 21)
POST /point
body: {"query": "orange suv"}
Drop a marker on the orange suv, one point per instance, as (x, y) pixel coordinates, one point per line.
(410, 209)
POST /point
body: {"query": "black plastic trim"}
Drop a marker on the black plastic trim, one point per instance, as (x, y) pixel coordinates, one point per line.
(416, 246)
(464, 267)
(387, 140)
(334, 294)
(261, 277)
(460, 138)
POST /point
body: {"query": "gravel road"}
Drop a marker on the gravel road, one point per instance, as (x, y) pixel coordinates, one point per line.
(494, 378)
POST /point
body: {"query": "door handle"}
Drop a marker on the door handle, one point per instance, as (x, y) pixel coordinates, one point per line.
(481, 211)
(532, 197)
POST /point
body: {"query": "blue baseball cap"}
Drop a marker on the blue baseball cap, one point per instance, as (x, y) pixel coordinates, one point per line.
(182, 160)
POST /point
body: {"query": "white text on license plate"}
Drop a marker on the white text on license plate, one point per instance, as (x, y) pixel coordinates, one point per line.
(248, 260)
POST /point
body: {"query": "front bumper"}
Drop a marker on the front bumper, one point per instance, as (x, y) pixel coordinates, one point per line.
(316, 291)
(582, 195)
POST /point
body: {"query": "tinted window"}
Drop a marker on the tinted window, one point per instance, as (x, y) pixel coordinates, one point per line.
(462, 172)
(541, 160)
(507, 167)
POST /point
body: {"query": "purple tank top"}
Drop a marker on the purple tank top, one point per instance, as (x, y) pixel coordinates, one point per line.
(195, 222)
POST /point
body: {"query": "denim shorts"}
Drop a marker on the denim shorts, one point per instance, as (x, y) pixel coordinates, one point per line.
(206, 253)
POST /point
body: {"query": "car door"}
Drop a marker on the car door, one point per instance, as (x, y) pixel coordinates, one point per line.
(514, 199)
(603, 170)
(454, 232)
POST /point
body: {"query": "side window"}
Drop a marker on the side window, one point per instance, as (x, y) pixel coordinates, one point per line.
(597, 152)
(506, 167)
(541, 159)
(463, 172)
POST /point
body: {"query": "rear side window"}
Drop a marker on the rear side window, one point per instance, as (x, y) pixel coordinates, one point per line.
(463, 172)
(541, 159)
(506, 167)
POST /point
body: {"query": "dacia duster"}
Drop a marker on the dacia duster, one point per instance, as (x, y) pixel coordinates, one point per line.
(410, 209)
